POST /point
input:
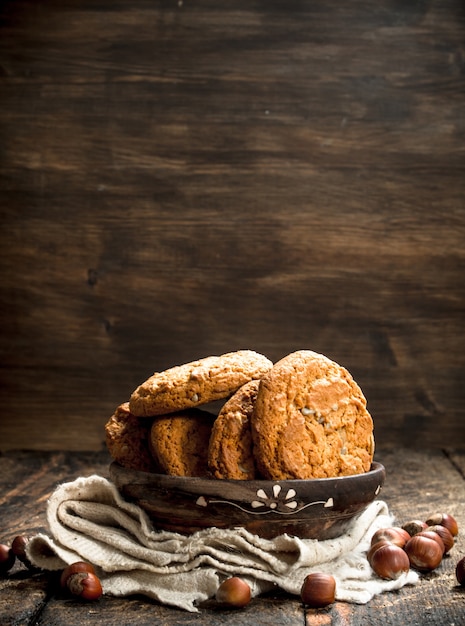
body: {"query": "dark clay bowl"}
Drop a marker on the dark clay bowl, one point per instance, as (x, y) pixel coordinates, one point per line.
(316, 509)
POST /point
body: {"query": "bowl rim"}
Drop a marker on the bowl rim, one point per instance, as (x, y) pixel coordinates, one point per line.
(377, 469)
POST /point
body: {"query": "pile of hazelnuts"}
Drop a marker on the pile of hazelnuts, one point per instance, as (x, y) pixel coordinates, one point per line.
(418, 544)
(393, 550)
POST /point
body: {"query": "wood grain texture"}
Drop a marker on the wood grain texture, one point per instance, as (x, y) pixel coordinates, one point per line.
(419, 482)
(181, 179)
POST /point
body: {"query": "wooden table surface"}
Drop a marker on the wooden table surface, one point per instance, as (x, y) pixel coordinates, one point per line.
(418, 483)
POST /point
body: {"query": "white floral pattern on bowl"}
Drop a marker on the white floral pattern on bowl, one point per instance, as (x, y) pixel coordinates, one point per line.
(278, 502)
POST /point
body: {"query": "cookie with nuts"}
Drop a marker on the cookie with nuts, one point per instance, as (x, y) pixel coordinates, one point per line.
(179, 442)
(230, 452)
(310, 420)
(127, 440)
(198, 382)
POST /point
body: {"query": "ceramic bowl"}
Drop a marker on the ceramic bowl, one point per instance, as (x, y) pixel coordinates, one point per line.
(317, 508)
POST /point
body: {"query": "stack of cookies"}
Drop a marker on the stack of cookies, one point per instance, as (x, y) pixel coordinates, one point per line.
(303, 417)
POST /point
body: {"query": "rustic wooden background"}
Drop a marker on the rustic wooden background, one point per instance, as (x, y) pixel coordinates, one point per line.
(182, 178)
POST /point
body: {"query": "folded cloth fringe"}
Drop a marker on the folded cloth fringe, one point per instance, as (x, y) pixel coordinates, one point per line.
(89, 520)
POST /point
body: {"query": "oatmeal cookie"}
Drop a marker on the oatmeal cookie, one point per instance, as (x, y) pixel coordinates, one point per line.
(310, 420)
(127, 440)
(179, 442)
(196, 383)
(230, 453)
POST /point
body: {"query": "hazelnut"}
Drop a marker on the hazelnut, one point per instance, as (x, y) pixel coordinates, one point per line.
(445, 534)
(395, 535)
(432, 535)
(85, 585)
(375, 547)
(234, 592)
(75, 568)
(414, 526)
(424, 553)
(446, 520)
(402, 532)
(7, 558)
(318, 590)
(460, 572)
(18, 547)
(389, 561)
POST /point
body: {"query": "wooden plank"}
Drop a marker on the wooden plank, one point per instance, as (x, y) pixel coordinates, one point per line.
(22, 598)
(419, 483)
(27, 479)
(457, 458)
(272, 176)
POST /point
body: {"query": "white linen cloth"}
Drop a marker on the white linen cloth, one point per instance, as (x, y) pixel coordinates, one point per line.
(89, 520)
